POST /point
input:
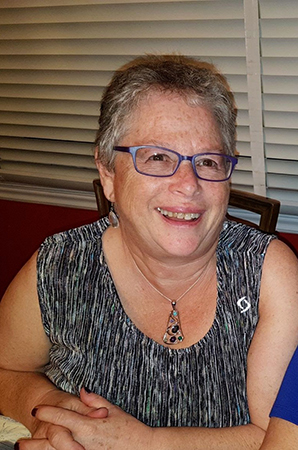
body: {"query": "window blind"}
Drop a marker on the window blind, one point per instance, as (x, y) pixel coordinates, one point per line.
(56, 56)
(279, 48)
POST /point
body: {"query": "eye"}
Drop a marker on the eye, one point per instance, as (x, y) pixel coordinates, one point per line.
(206, 162)
(159, 157)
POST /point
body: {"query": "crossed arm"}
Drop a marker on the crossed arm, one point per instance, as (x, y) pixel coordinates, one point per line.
(70, 423)
(281, 434)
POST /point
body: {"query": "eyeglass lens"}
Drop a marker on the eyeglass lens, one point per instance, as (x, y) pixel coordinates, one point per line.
(160, 162)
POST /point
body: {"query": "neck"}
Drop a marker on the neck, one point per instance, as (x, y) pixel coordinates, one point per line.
(172, 275)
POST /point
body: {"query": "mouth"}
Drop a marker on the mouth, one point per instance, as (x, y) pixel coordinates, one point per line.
(179, 215)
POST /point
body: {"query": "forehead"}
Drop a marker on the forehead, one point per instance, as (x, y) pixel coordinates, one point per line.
(167, 119)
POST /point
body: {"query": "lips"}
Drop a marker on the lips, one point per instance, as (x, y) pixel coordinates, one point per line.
(178, 215)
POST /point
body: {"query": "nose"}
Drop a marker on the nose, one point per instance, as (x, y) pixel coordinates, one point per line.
(184, 181)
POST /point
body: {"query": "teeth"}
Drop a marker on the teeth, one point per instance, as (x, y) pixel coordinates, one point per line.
(179, 215)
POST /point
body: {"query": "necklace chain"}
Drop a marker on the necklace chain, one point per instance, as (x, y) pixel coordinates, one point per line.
(159, 292)
(173, 334)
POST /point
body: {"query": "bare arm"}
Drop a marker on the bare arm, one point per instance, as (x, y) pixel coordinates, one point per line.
(276, 336)
(120, 431)
(24, 347)
(283, 426)
(24, 351)
(281, 434)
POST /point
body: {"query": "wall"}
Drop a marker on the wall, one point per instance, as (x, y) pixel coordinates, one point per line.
(23, 226)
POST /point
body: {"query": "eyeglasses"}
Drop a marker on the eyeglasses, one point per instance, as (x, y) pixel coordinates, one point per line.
(162, 162)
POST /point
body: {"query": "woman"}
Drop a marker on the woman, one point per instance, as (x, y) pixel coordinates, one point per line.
(169, 317)
(283, 430)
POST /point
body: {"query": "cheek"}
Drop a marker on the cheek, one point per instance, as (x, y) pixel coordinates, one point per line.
(135, 194)
(124, 175)
(128, 188)
(220, 195)
(225, 192)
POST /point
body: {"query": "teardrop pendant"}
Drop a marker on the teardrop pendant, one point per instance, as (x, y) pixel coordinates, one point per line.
(173, 334)
(113, 218)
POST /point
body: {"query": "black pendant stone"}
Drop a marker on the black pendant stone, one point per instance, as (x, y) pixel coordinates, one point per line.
(175, 328)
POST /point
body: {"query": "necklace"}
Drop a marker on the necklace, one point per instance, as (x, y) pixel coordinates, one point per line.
(173, 334)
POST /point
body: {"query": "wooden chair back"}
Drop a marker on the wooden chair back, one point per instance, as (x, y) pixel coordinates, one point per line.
(267, 208)
(103, 204)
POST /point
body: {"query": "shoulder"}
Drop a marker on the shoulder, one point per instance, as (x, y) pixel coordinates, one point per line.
(279, 286)
(65, 261)
(24, 343)
(84, 234)
(237, 237)
(280, 273)
(280, 257)
(68, 255)
(24, 281)
(70, 243)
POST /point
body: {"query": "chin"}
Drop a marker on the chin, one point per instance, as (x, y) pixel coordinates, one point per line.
(181, 249)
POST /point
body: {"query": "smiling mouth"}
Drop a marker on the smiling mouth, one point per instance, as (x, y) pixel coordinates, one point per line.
(178, 215)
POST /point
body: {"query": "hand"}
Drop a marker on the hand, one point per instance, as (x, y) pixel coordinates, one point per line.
(47, 436)
(115, 431)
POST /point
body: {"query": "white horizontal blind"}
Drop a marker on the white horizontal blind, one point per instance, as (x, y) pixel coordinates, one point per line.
(279, 49)
(56, 56)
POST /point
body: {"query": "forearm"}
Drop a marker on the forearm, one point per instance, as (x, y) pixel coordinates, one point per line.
(20, 392)
(281, 434)
(234, 438)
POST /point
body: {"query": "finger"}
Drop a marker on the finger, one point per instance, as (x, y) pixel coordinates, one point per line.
(58, 439)
(61, 417)
(94, 400)
(101, 413)
(61, 438)
(33, 444)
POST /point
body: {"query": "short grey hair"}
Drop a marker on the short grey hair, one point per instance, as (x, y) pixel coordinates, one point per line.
(200, 83)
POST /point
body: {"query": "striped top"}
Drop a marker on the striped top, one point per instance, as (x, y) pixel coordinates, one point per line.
(96, 345)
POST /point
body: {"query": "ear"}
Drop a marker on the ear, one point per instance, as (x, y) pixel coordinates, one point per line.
(107, 180)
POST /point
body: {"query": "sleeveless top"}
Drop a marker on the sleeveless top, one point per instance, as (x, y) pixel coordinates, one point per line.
(96, 345)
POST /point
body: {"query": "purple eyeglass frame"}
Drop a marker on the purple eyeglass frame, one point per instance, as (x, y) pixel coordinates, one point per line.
(133, 151)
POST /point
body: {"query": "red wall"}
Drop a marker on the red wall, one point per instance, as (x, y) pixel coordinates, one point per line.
(23, 226)
(291, 240)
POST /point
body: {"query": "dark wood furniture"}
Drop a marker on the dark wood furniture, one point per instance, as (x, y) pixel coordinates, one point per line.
(267, 208)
